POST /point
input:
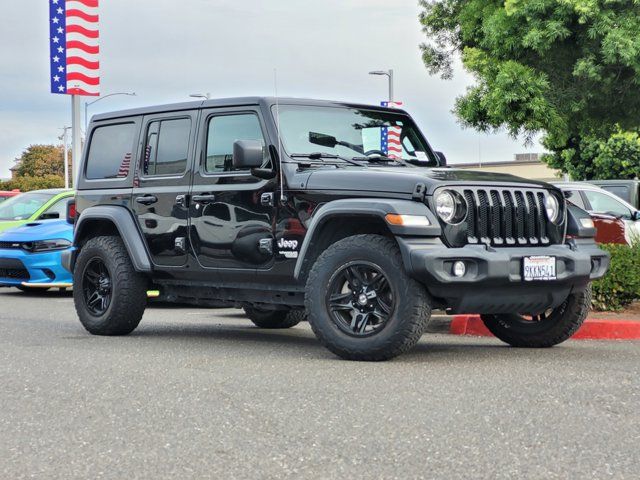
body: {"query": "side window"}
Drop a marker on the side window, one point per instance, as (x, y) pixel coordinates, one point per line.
(223, 131)
(110, 151)
(167, 147)
(60, 207)
(576, 199)
(603, 203)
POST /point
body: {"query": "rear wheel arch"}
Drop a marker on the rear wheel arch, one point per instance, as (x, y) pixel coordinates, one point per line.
(110, 220)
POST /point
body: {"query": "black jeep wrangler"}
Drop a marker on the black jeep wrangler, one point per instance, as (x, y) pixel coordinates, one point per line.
(336, 212)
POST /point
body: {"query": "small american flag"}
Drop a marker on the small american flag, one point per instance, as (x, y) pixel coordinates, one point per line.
(390, 141)
(392, 104)
(74, 47)
(125, 165)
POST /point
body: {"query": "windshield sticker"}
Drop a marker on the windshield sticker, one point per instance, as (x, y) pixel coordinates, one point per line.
(422, 156)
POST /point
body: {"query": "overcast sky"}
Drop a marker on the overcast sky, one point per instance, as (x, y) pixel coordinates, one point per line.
(166, 49)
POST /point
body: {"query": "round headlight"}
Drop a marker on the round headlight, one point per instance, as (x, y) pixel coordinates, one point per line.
(450, 207)
(552, 207)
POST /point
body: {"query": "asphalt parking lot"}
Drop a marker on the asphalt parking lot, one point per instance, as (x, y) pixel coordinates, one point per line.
(204, 394)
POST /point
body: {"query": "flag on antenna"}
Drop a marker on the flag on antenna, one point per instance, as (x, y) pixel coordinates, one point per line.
(392, 104)
(73, 42)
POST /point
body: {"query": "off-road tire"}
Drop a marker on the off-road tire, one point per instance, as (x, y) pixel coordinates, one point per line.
(406, 323)
(562, 323)
(275, 319)
(128, 297)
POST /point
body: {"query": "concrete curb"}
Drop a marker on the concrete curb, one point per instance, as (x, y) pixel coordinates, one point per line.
(592, 329)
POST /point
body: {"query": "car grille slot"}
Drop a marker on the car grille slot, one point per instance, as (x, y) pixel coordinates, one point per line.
(506, 217)
(9, 245)
(14, 273)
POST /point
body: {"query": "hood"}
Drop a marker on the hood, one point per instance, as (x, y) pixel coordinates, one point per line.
(42, 230)
(404, 180)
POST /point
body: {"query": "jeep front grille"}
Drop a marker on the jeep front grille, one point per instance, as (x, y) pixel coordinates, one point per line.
(504, 217)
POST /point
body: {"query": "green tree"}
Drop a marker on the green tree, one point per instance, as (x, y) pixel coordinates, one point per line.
(567, 68)
(40, 160)
(28, 183)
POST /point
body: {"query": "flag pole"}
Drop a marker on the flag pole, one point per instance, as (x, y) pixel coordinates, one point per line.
(76, 141)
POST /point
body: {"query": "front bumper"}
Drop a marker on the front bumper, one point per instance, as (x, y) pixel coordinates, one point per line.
(493, 281)
(38, 270)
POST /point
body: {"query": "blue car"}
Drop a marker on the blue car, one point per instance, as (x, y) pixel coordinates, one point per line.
(30, 255)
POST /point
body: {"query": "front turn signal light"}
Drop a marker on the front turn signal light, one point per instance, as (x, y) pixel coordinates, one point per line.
(407, 220)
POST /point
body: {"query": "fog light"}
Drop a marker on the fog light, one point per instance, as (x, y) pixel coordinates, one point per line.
(459, 269)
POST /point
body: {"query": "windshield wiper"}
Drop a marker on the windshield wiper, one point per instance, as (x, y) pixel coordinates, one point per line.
(324, 156)
(380, 159)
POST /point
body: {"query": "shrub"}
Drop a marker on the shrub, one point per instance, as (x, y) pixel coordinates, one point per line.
(621, 285)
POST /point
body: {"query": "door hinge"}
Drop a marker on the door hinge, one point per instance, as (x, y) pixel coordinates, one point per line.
(181, 245)
(266, 199)
(265, 246)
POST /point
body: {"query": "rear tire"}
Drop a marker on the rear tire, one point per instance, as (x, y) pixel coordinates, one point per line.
(361, 303)
(109, 295)
(274, 319)
(546, 330)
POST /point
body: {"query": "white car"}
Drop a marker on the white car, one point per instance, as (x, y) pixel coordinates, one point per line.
(594, 199)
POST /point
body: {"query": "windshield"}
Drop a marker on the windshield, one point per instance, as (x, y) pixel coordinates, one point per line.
(352, 132)
(22, 206)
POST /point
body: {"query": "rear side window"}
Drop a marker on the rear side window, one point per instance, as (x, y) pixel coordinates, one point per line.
(167, 147)
(110, 151)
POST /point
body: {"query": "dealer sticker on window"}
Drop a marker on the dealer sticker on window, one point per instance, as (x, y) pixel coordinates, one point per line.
(539, 268)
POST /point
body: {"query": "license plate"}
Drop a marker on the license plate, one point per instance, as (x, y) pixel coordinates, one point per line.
(539, 268)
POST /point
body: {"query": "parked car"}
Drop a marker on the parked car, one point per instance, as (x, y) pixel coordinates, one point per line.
(4, 194)
(338, 212)
(628, 190)
(594, 199)
(609, 229)
(30, 255)
(33, 206)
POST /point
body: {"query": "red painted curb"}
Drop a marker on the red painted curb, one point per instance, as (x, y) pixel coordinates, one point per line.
(592, 329)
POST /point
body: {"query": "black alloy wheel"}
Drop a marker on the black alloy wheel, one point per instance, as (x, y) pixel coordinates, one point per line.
(360, 299)
(97, 287)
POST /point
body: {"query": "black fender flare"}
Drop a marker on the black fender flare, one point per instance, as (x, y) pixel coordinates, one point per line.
(377, 207)
(127, 228)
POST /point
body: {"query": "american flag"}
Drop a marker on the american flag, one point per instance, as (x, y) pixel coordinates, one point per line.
(125, 165)
(74, 47)
(392, 104)
(390, 141)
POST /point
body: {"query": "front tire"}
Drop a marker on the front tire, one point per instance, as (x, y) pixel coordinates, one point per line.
(361, 303)
(546, 329)
(274, 319)
(109, 295)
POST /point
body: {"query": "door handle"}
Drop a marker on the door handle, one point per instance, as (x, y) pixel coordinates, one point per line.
(203, 198)
(147, 199)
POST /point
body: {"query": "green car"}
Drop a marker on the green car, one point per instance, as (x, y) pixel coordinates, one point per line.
(31, 206)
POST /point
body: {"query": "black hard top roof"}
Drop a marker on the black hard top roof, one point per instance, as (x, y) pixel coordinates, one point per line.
(233, 102)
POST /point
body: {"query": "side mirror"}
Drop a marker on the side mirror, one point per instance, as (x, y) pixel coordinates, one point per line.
(71, 211)
(442, 160)
(247, 154)
(323, 140)
(635, 215)
(49, 216)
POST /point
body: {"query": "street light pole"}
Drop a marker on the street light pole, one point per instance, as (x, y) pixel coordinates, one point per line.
(389, 74)
(65, 140)
(87, 104)
(201, 95)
